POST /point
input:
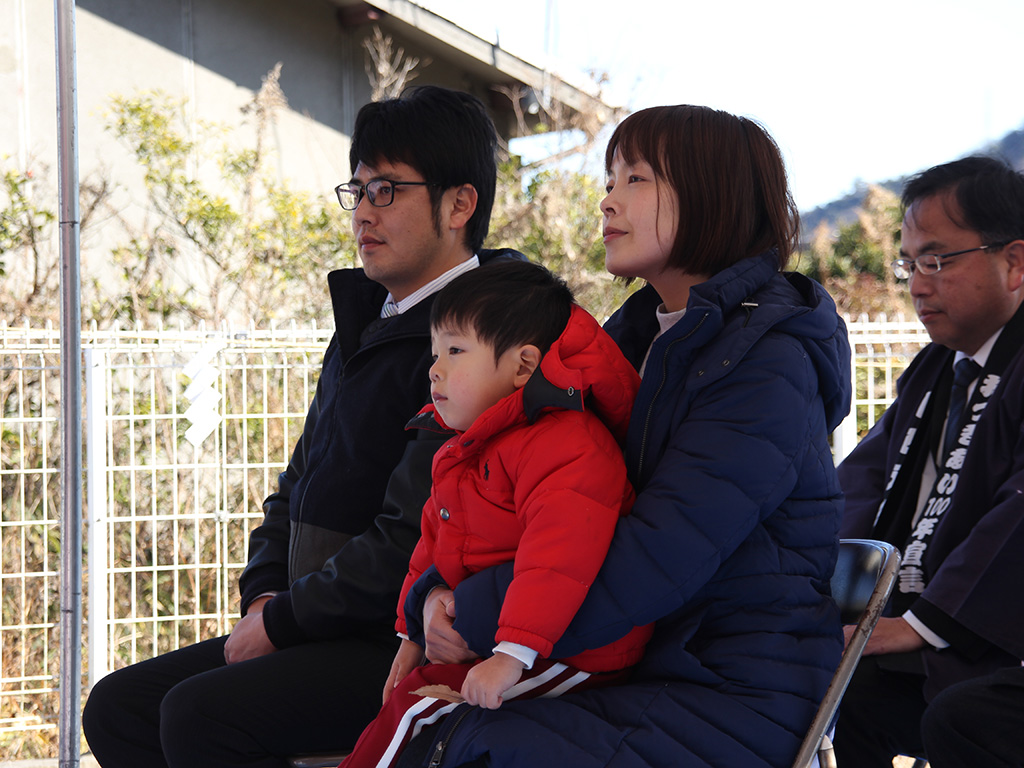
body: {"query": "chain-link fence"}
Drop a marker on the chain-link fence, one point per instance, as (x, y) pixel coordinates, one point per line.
(186, 432)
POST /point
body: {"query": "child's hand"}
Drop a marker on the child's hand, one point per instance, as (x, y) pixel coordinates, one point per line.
(409, 657)
(489, 679)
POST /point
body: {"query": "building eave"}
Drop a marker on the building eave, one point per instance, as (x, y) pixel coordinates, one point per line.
(481, 58)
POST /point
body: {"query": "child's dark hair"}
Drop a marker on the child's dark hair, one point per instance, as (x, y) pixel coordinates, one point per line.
(506, 303)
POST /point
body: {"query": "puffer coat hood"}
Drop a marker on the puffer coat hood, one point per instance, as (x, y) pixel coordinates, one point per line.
(583, 369)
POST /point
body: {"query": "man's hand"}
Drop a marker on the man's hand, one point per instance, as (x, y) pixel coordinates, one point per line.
(248, 639)
(488, 680)
(444, 644)
(409, 657)
(891, 635)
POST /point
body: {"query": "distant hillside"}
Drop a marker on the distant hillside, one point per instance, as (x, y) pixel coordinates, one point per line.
(844, 210)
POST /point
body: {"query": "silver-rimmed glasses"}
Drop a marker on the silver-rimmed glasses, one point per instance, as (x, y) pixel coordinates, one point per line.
(380, 192)
(930, 263)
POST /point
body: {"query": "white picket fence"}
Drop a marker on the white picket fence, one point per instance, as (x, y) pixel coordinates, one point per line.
(186, 432)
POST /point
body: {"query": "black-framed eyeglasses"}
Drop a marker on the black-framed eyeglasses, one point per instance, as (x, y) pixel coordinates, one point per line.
(930, 263)
(380, 192)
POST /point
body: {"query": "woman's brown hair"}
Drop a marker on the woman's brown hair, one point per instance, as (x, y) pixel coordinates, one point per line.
(734, 200)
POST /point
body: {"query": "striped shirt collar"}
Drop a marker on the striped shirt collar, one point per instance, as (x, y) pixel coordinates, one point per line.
(430, 288)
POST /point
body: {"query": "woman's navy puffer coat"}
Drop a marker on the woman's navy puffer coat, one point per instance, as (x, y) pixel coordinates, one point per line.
(729, 548)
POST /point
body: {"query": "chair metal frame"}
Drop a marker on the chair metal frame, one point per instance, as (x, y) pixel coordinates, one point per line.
(863, 580)
(316, 761)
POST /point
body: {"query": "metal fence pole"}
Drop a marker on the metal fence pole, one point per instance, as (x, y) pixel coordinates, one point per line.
(71, 392)
(96, 485)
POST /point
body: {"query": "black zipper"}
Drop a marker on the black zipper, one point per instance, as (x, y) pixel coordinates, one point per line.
(442, 744)
(657, 392)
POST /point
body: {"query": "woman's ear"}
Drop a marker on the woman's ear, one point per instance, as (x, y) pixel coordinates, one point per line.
(528, 359)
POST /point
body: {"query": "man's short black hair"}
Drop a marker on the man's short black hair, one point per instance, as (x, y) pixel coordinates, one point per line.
(505, 304)
(988, 192)
(446, 135)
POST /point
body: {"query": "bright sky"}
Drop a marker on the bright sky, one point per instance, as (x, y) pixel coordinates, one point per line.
(864, 90)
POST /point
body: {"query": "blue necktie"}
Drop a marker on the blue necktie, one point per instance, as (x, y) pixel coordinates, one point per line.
(390, 309)
(964, 373)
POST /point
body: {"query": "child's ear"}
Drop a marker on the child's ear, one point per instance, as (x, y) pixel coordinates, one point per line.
(528, 360)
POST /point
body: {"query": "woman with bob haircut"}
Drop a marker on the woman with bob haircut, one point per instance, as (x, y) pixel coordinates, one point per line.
(733, 537)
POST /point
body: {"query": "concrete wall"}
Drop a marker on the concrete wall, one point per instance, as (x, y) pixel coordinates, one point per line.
(212, 53)
(213, 56)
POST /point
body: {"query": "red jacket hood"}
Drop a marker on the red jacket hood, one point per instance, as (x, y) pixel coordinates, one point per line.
(583, 369)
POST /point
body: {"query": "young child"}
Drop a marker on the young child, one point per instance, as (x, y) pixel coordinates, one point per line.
(539, 399)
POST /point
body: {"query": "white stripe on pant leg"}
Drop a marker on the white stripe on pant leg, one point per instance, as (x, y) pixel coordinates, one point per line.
(544, 678)
(568, 685)
(404, 723)
(423, 722)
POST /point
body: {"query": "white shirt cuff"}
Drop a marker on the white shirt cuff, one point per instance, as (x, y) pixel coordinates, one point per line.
(516, 651)
(929, 637)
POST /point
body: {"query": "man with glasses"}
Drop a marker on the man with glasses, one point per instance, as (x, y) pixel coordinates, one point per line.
(302, 670)
(941, 475)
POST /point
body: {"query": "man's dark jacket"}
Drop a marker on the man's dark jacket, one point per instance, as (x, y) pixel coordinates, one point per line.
(975, 559)
(336, 537)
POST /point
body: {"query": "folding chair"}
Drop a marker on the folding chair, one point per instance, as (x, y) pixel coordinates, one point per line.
(864, 577)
